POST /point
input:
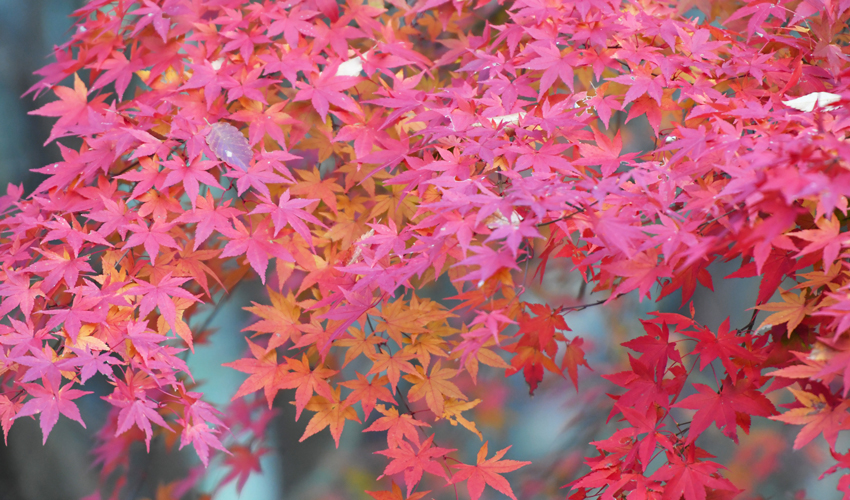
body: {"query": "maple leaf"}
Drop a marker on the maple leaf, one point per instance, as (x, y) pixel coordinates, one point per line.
(281, 319)
(257, 245)
(288, 212)
(160, 295)
(265, 372)
(606, 153)
(242, 462)
(262, 122)
(492, 321)
(724, 346)
(206, 76)
(817, 416)
(119, 69)
(722, 407)
(825, 238)
(313, 186)
(330, 413)
(18, 292)
(487, 471)
(555, 62)
(398, 426)
(792, 311)
(544, 324)
(489, 261)
(62, 229)
(393, 364)
(601, 103)
(649, 107)
(151, 237)
(50, 401)
(690, 479)
(209, 217)
(8, 410)
(152, 15)
(643, 387)
(202, 438)
(812, 366)
(434, 387)
(191, 263)
(72, 108)
(474, 349)
(573, 357)
(139, 412)
(114, 216)
(43, 363)
(396, 494)
(59, 267)
(81, 310)
(306, 381)
(359, 343)
(291, 23)
(325, 89)
(640, 82)
(398, 317)
(190, 175)
(368, 392)
(414, 462)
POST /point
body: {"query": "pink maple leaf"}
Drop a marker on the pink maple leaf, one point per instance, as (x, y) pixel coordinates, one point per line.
(50, 402)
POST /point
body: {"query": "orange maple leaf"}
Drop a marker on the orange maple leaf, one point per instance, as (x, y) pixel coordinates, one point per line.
(792, 311)
(330, 412)
(265, 373)
(433, 387)
(396, 494)
(817, 416)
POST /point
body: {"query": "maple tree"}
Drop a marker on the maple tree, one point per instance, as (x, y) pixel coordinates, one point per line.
(348, 154)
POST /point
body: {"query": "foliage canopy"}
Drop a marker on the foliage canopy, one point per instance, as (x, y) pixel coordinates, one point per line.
(347, 154)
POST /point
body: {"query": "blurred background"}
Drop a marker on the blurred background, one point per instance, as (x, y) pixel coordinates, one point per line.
(552, 429)
(28, 31)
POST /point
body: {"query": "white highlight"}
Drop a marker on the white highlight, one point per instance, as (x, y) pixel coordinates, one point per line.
(512, 119)
(351, 67)
(808, 102)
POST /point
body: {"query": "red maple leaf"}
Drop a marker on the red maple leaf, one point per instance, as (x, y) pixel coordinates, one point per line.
(414, 462)
(725, 345)
(487, 471)
(690, 478)
(656, 347)
(723, 407)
